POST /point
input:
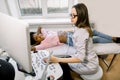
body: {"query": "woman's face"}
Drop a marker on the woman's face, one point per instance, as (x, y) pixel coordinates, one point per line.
(74, 16)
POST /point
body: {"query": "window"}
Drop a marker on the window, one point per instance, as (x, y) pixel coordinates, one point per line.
(59, 6)
(30, 7)
(45, 8)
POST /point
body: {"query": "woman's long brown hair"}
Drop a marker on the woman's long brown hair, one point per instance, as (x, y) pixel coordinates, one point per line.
(83, 18)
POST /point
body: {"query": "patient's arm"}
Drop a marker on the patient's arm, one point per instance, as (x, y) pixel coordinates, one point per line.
(39, 30)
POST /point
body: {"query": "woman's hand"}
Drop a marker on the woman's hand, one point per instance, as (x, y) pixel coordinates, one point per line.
(53, 59)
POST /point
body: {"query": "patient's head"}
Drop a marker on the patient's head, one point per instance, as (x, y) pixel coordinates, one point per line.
(36, 38)
(32, 41)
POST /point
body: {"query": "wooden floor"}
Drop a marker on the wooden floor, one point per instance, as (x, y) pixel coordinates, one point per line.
(112, 74)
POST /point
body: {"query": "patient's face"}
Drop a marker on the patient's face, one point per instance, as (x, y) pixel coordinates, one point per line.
(38, 38)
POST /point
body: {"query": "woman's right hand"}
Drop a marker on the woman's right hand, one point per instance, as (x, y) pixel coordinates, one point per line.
(54, 59)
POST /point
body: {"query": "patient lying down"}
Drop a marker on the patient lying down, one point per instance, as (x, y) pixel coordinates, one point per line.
(43, 39)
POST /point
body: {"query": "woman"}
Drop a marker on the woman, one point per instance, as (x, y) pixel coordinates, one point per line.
(85, 60)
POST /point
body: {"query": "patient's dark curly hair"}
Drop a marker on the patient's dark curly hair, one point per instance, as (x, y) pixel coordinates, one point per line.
(32, 41)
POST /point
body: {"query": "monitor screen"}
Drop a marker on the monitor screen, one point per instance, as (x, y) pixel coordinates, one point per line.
(15, 40)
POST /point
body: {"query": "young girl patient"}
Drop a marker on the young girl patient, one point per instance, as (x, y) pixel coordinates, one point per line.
(43, 39)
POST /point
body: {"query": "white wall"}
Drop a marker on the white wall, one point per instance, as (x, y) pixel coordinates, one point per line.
(106, 15)
(3, 7)
(53, 27)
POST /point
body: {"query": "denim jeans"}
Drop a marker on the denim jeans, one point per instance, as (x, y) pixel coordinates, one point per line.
(99, 37)
(69, 38)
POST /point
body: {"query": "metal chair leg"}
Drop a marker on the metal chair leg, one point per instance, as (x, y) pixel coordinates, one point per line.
(111, 62)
